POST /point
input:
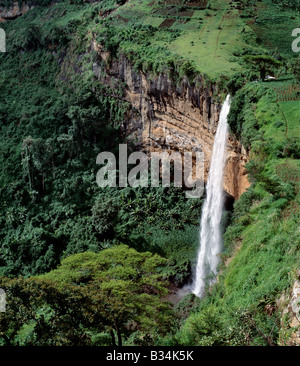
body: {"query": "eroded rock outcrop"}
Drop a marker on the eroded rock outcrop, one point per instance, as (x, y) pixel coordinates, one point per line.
(289, 304)
(174, 117)
(15, 10)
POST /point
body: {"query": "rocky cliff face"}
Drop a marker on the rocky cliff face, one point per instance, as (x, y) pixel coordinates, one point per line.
(16, 9)
(289, 304)
(167, 116)
(180, 118)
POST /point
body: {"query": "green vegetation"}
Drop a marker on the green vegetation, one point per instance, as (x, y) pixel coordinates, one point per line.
(55, 118)
(155, 33)
(90, 298)
(262, 241)
(88, 266)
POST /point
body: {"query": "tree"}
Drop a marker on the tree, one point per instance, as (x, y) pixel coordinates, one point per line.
(105, 215)
(37, 158)
(263, 63)
(39, 313)
(295, 68)
(124, 285)
(118, 291)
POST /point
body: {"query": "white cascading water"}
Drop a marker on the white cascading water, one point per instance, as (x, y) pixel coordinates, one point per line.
(210, 224)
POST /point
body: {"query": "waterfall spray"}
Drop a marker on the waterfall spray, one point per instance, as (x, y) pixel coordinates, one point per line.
(210, 224)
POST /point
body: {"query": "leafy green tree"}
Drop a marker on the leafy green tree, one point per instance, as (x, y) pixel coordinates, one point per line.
(104, 213)
(117, 291)
(125, 286)
(295, 68)
(264, 63)
(39, 313)
(37, 157)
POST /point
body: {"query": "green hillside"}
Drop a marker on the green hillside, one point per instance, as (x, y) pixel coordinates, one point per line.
(202, 31)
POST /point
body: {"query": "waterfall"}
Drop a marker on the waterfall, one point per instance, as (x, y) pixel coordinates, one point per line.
(210, 223)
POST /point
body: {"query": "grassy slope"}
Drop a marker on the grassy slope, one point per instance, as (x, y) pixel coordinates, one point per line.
(271, 237)
(216, 40)
(262, 241)
(201, 40)
(274, 25)
(210, 37)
